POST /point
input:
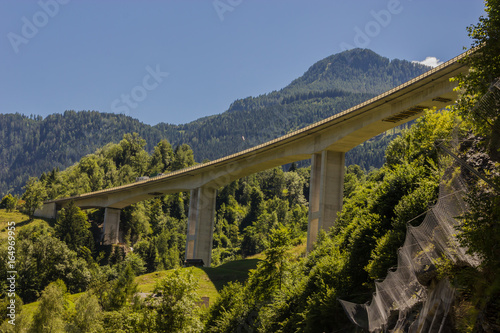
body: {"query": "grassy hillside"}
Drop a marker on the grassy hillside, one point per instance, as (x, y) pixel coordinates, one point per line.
(22, 220)
(210, 280)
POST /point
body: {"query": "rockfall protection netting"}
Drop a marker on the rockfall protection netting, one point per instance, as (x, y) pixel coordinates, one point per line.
(410, 299)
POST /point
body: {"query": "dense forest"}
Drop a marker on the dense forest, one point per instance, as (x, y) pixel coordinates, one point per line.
(32, 145)
(265, 212)
(62, 259)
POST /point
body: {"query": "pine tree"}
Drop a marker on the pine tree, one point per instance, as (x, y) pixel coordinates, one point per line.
(122, 289)
(73, 228)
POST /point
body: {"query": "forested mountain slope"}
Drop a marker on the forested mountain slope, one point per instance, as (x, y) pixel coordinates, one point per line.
(32, 145)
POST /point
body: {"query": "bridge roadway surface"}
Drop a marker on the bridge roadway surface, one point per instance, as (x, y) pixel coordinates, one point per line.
(325, 142)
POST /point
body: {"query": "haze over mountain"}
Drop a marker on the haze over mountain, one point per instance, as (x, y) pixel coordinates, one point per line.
(31, 145)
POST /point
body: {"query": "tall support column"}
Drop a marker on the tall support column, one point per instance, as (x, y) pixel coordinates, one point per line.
(325, 192)
(192, 225)
(111, 226)
(201, 224)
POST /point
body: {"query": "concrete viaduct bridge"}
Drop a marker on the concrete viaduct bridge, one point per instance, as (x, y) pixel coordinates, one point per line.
(325, 142)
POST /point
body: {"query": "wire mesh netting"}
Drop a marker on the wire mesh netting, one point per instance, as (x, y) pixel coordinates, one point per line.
(410, 299)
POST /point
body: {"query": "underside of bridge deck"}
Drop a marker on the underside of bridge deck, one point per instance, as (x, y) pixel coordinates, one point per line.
(325, 142)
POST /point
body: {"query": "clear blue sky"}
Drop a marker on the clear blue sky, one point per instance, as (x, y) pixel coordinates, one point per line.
(176, 61)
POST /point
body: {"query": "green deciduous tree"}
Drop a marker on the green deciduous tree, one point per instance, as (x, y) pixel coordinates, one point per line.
(485, 65)
(86, 316)
(162, 158)
(34, 195)
(183, 157)
(135, 221)
(49, 316)
(42, 258)
(89, 166)
(480, 230)
(9, 202)
(131, 152)
(176, 308)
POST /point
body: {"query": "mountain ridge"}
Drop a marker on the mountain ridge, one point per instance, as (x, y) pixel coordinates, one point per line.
(33, 145)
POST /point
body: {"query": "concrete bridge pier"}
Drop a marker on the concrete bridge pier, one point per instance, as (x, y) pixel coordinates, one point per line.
(111, 226)
(325, 192)
(201, 224)
(48, 211)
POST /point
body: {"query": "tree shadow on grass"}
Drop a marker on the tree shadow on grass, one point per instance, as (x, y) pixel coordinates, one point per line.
(28, 220)
(230, 272)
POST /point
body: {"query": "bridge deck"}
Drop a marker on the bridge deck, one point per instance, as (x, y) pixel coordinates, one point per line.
(366, 120)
